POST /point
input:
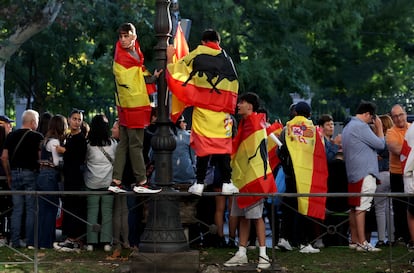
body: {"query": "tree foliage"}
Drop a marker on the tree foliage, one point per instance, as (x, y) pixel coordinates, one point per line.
(339, 52)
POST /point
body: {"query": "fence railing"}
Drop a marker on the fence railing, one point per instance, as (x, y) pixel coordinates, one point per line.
(190, 215)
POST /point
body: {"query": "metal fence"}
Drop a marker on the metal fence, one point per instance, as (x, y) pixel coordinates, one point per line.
(186, 204)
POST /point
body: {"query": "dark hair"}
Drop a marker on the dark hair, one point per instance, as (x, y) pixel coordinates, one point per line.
(302, 108)
(210, 35)
(178, 122)
(366, 106)
(76, 111)
(44, 123)
(324, 118)
(99, 133)
(251, 98)
(127, 27)
(56, 128)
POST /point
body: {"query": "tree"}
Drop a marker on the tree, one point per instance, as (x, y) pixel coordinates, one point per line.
(27, 22)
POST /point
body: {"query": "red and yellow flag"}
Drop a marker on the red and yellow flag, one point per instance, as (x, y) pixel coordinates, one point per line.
(181, 50)
(211, 132)
(251, 172)
(132, 99)
(205, 78)
(276, 129)
(309, 163)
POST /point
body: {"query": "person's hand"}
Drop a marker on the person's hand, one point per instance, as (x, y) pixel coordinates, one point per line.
(157, 73)
(60, 149)
(378, 126)
(338, 139)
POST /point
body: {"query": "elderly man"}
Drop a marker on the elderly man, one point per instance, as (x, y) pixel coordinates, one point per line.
(395, 140)
(20, 160)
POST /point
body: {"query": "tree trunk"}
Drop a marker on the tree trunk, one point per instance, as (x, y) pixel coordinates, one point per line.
(24, 32)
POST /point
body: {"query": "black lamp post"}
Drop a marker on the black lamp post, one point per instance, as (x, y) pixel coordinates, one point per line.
(163, 231)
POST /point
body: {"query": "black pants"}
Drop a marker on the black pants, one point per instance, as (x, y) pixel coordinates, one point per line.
(400, 207)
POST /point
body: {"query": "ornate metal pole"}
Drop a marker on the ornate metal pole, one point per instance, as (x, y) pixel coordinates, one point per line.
(163, 231)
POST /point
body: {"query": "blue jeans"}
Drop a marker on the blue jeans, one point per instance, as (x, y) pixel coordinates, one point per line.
(48, 207)
(23, 181)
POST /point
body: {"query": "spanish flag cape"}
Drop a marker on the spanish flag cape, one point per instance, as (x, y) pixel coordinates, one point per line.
(131, 95)
(211, 132)
(251, 172)
(309, 163)
(205, 78)
(276, 129)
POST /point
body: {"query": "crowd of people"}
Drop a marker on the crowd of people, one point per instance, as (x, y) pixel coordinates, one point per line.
(231, 147)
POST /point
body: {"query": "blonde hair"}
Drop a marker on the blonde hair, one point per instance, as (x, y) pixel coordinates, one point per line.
(386, 122)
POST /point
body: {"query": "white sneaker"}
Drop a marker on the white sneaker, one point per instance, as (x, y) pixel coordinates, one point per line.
(145, 188)
(308, 249)
(284, 244)
(367, 247)
(107, 248)
(264, 262)
(236, 260)
(196, 188)
(318, 244)
(89, 247)
(229, 189)
(352, 245)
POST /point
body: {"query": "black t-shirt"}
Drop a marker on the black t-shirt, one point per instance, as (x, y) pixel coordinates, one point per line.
(27, 154)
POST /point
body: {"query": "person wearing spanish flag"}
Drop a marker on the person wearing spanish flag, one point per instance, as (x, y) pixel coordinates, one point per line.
(304, 162)
(251, 174)
(206, 79)
(133, 85)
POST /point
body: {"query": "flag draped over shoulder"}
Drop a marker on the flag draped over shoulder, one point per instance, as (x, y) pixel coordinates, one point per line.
(251, 172)
(181, 50)
(276, 129)
(309, 163)
(132, 99)
(205, 78)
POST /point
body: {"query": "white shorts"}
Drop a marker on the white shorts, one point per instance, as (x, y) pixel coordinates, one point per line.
(369, 185)
(254, 211)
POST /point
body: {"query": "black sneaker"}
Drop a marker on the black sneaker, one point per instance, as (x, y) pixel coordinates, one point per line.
(116, 188)
(146, 188)
(381, 244)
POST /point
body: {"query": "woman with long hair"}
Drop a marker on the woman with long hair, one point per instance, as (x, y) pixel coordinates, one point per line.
(48, 179)
(98, 176)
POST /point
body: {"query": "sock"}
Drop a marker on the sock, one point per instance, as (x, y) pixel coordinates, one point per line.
(262, 250)
(242, 250)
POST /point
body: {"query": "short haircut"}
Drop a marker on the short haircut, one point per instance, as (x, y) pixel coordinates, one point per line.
(324, 118)
(127, 27)
(366, 106)
(210, 35)
(251, 98)
(30, 115)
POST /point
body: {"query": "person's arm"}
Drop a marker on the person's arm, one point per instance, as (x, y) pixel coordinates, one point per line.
(6, 166)
(52, 147)
(170, 53)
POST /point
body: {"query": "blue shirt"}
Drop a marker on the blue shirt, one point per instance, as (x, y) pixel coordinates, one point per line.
(360, 146)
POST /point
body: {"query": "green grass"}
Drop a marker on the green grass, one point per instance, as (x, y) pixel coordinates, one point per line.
(331, 259)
